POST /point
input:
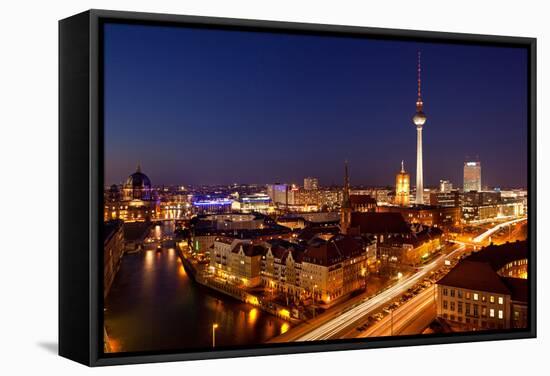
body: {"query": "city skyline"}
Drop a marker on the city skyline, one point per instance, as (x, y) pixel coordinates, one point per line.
(301, 182)
(296, 116)
(352, 249)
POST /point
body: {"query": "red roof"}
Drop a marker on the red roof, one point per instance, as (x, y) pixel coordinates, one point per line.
(362, 200)
(249, 249)
(380, 223)
(500, 255)
(478, 276)
(336, 250)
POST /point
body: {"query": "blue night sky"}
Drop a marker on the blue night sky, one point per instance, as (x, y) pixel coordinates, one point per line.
(197, 106)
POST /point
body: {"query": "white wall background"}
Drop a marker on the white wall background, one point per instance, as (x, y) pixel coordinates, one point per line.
(28, 184)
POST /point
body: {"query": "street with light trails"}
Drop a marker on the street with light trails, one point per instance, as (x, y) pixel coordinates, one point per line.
(332, 328)
(411, 318)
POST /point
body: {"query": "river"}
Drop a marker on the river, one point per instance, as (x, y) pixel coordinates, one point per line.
(154, 305)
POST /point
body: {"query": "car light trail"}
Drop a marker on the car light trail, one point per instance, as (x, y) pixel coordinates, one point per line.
(337, 324)
(492, 230)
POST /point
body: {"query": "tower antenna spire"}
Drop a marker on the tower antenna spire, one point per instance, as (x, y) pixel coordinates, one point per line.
(419, 102)
(402, 165)
(419, 71)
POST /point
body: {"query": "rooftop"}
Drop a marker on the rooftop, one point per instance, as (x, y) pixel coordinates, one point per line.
(362, 200)
(379, 223)
(337, 249)
(477, 276)
(309, 233)
(499, 255)
(479, 271)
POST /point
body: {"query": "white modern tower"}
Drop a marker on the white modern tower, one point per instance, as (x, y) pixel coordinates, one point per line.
(419, 119)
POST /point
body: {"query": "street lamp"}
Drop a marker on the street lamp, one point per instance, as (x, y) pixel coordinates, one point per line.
(392, 322)
(214, 327)
(314, 287)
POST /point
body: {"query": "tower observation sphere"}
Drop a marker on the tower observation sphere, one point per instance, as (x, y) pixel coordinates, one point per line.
(419, 119)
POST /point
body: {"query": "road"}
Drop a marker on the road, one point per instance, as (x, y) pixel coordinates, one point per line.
(411, 318)
(343, 323)
(492, 230)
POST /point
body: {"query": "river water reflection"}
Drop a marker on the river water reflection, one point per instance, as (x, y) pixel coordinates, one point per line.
(154, 305)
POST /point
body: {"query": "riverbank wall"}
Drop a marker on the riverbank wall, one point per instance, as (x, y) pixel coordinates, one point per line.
(235, 292)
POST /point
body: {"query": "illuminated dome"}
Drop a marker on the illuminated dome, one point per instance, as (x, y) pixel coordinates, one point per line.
(419, 119)
(137, 186)
(138, 180)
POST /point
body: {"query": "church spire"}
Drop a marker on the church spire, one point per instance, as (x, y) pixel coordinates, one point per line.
(345, 198)
(138, 168)
(345, 212)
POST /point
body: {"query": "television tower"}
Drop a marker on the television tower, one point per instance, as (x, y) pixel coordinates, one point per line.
(419, 119)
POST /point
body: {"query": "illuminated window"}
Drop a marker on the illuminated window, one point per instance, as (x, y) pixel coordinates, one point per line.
(500, 300)
(492, 312)
(492, 299)
(476, 296)
(500, 314)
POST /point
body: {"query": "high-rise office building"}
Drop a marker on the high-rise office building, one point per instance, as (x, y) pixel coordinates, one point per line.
(279, 193)
(445, 186)
(472, 176)
(311, 184)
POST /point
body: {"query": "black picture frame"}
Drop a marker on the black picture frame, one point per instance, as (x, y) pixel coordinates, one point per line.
(81, 184)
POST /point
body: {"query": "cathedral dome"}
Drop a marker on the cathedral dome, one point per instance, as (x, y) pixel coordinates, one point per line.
(138, 180)
(137, 186)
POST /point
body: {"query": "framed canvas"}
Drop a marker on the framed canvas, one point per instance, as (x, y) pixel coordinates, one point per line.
(239, 187)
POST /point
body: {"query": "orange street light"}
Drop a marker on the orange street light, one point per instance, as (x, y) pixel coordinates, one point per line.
(214, 327)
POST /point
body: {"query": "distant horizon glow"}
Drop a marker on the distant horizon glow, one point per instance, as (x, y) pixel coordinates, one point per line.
(218, 107)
